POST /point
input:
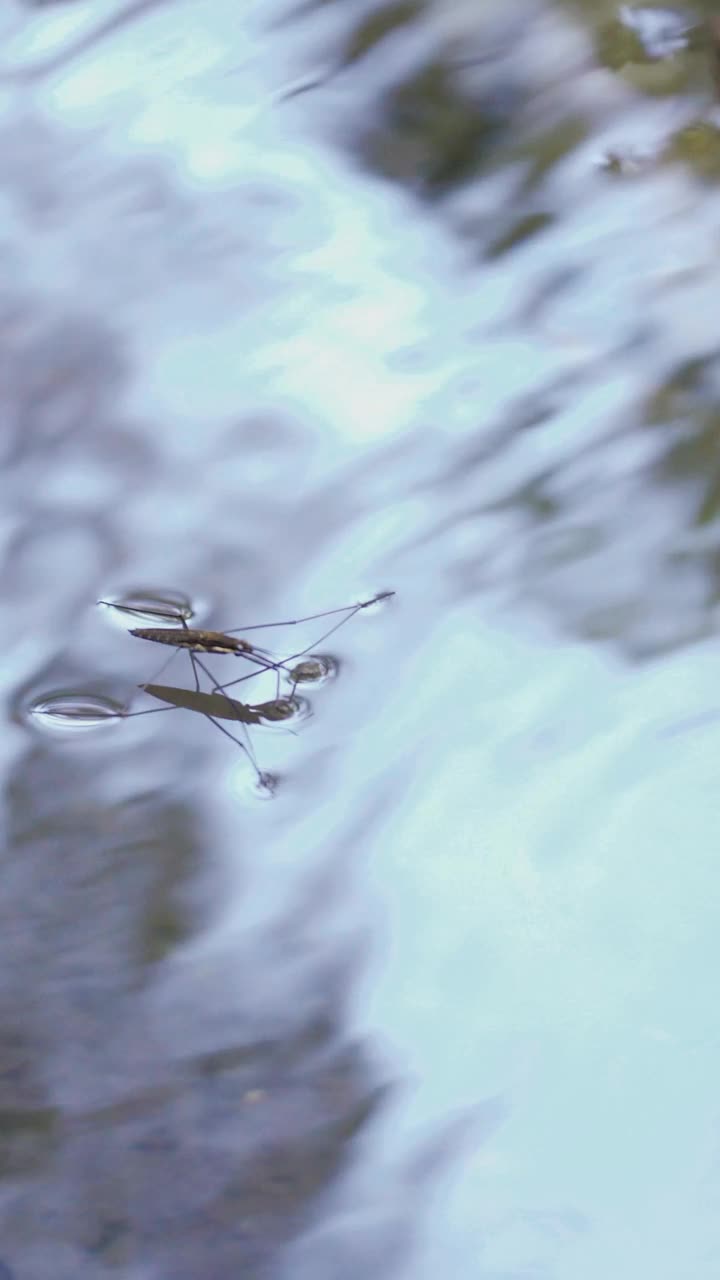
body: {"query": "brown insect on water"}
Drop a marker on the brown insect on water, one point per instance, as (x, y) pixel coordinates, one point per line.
(216, 704)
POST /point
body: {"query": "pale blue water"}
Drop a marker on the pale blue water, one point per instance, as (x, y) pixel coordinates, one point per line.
(238, 365)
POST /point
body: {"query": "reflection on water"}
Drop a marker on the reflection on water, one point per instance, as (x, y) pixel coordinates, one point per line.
(445, 1007)
(276, 711)
(133, 1139)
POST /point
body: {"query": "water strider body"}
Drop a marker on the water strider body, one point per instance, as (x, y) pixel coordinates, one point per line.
(194, 639)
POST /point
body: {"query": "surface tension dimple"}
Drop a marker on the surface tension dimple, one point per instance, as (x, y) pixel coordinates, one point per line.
(69, 711)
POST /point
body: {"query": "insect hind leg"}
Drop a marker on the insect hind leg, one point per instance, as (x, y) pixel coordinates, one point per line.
(349, 609)
(245, 746)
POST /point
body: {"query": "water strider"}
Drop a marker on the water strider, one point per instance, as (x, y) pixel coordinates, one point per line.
(216, 704)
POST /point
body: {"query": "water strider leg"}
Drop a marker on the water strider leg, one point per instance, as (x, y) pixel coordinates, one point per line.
(308, 648)
(217, 688)
(247, 749)
(192, 658)
(196, 662)
(128, 715)
(264, 661)
(160, 670)
(350, 609)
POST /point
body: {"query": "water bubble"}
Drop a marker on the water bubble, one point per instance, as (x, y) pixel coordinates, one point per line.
(68, 711)
(152, 605)
(316, 669)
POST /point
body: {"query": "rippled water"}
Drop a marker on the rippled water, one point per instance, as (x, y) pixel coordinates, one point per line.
(299, 307)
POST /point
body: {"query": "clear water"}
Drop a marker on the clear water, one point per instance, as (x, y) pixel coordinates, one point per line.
(444, 1003)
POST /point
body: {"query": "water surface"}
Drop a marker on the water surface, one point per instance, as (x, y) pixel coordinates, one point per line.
(300, 307)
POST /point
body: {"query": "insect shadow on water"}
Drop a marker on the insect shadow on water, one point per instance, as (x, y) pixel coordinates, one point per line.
(217, 704)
